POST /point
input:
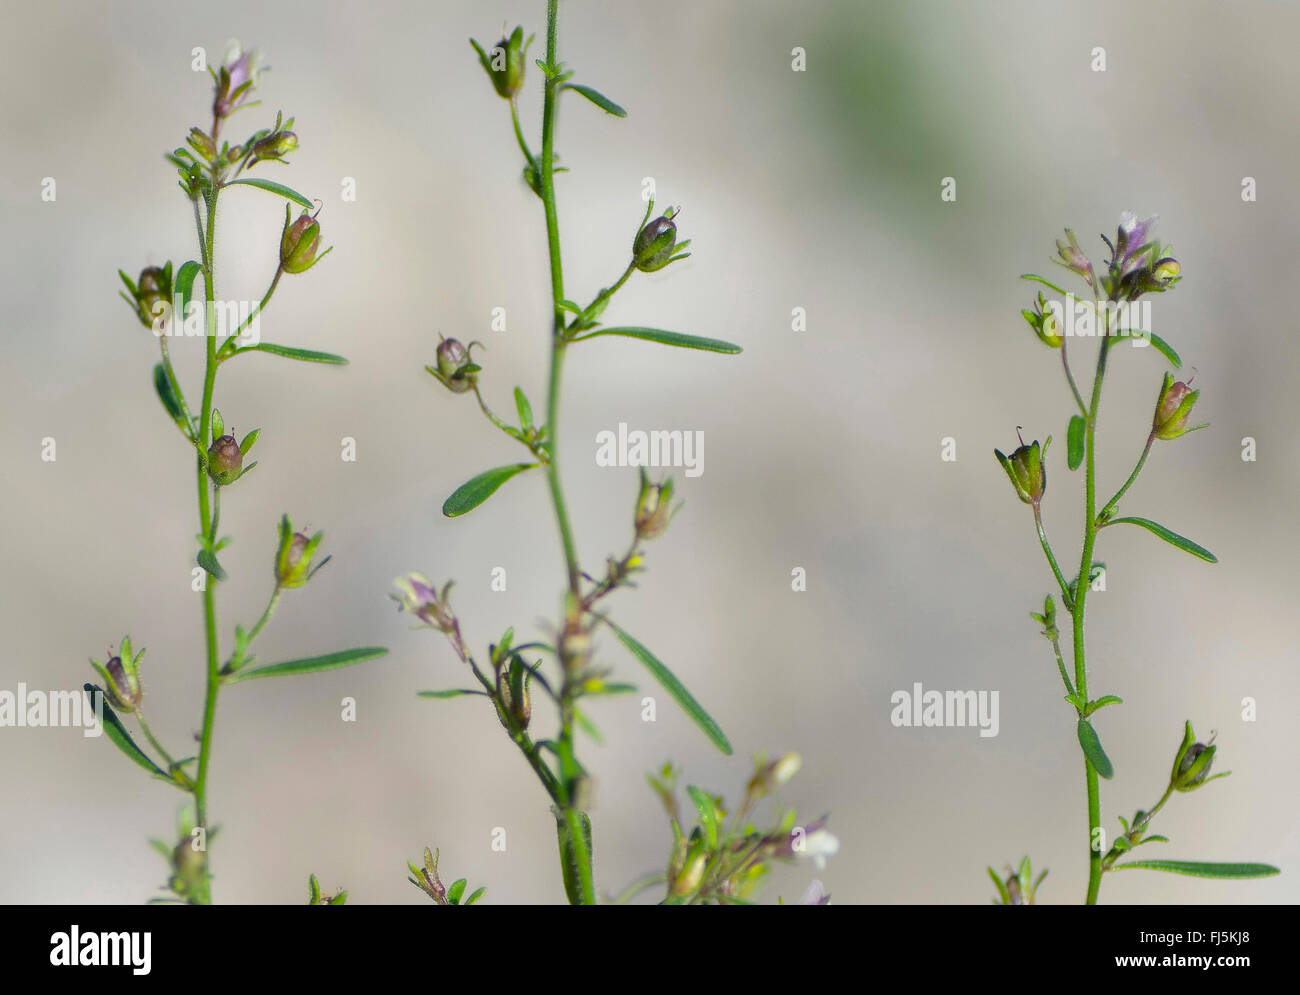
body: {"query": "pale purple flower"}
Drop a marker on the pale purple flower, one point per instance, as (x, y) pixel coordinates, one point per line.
(815, 894)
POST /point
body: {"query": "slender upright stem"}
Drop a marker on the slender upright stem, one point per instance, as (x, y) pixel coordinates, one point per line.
(1081, 592)
(205, 518)
(579, 854)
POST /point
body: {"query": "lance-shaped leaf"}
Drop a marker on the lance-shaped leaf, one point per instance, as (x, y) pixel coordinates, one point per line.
(449, 693)
(663, 337)
(310, 665)
(1163, 347)
(117, 733)
(1091, 744)
(597, 98)
(1074, 440)
(270, 186)
(1169, 536)
(473, 493)
(292, 352)
(1201, 869)
(1043, 280)
(675, 688)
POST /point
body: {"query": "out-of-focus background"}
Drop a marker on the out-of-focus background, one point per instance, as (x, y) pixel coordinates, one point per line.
(818, 190)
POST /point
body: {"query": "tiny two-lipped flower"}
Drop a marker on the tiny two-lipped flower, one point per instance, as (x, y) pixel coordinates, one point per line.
(236, 79)
(417, 596)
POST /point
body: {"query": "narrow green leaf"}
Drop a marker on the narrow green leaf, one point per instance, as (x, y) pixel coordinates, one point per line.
(675, 688)
(1102, 702)
(313, 891)
(456, 890)
(208, 562)
(1074, 441)
(1173, 538)
(118, 735)
(597, 98)
(1091, 744)
(1200, 869)
(292, 352)
(168, 397)
(473, 493)
(708, 814)
(270, 186)
(476, 896)
(311, 664)
(449, 693)
(1043, 280)
(1163, 347)
(525, 410)
(667, 338)
(1003, 893)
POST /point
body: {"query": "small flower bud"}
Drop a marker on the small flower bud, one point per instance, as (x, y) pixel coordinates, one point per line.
(225, 460)
(1193, 761)
(293, 559)
(1026, 469)
(201, 142)
(1019, 887)
(417, 596)
(190, 868)
(653, 508)
(151, 295)
(656, 242)
(121, 676)
(455, 368)
(274, 147)
(1045, 322)
(299, 242)
(1173, 408)
(691, 875)
(512, 694)
(504, 62)
(1073, 258)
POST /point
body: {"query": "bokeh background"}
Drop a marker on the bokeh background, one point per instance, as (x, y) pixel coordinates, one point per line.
(816, 189)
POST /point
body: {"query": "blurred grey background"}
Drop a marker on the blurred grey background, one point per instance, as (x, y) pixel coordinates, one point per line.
(815, 189)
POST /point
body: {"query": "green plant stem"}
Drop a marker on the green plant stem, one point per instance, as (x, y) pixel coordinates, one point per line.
(1051, 557)
(519, 134)
(206, 523)
(1128, 483)
(148, 733)
(1069, 378)
(256, 630)
(579, 856)
(1081, 593)
(175, 384)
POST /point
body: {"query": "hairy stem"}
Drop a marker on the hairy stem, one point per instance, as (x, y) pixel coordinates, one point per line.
(206, 522)
(579, 855)
(1081, 593)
